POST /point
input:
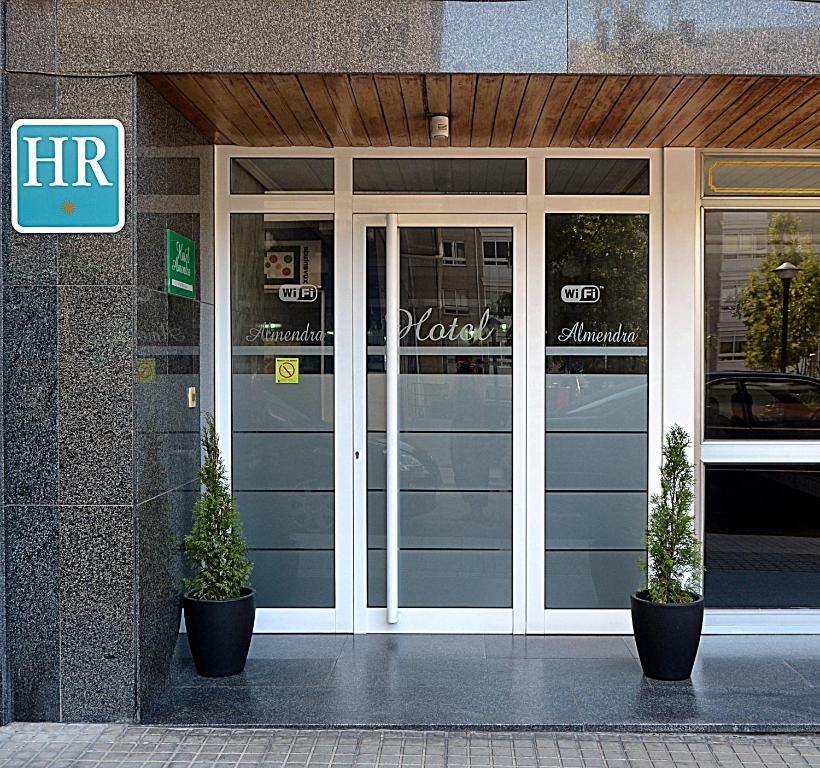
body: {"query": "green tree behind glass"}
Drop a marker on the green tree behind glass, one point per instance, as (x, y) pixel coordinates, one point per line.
(760, 303)
(607, 250)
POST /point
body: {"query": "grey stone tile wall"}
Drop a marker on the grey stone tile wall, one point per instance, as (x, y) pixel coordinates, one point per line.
(32, 599)
(97, 617)
(697, 36)
(98, 458)
(174, 190)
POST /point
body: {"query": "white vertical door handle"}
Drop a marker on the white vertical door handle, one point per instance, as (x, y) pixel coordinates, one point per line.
(392, 415)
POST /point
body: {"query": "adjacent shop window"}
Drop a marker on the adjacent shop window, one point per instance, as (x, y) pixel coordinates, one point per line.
(597, 176)
(282, 362)
(735, 176)
(440, 176)
(455, 420)
(268, 175)
(762, 537)
(597, 339)
(762, 324)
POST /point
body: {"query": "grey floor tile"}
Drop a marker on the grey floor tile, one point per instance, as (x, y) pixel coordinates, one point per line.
(747, 683)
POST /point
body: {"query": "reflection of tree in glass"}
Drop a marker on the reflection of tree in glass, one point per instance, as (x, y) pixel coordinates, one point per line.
(760, 303)
(625, 32)
(608, 250)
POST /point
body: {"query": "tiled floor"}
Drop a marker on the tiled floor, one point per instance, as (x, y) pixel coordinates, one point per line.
(750, 684)
(25, 745)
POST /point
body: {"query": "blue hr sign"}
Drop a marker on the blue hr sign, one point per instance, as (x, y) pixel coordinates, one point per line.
(67, 175)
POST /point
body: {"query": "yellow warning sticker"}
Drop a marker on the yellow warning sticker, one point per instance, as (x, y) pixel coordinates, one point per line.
(287, 370)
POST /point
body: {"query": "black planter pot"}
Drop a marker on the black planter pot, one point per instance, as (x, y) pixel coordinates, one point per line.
(667, 636)
(219, 632)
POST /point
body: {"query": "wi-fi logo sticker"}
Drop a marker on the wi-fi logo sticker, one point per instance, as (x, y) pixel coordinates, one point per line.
(580, 294)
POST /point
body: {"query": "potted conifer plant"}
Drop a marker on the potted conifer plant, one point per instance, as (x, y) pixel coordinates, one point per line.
(667, 616)
(218, 602)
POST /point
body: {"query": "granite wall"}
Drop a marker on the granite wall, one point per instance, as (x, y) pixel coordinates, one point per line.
(689, 36)
(5, 699)
(174, 351)
(101, 450)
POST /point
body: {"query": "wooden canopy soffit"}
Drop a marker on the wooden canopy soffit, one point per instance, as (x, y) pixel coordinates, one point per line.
(340, 110)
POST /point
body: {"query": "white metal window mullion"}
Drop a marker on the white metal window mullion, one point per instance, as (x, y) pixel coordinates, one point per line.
(536, 395)
(392, 271)
(344, 406)
(222, 305)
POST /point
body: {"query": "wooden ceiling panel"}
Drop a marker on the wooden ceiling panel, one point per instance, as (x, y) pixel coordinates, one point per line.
(601, 106)
(320, 104)
(794, 137)
(800, 106)
(682, 116)
(535, 94)
(389, 90)
(559, 96)
(261, 101)
(412, 92)
(488, 89)
(682, 92)
(298, 103)
(462, 104)
(493, 110)
(341, 96)
(635, 91)
(740, 115)
(645, 109)
(506, 113)
(582, 98)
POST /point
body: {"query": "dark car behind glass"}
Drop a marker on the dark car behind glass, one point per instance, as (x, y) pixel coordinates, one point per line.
(754, 405)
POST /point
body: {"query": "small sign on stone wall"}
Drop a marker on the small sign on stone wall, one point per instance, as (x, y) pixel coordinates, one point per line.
(180, 260)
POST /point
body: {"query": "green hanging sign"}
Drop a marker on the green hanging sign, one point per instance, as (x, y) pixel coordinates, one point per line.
(180, 261)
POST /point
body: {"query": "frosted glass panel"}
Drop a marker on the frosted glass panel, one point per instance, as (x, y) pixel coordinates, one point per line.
(287, 519)
(603, 520)
(291, 461)
(282, 306)
(596, 396)
(592, 579)
(456, 520)
(451, 461)
(444, 579)
(271, 407)
(455, 416)
(596, 402)
(288, 579)
(463, 403)
(604, 462)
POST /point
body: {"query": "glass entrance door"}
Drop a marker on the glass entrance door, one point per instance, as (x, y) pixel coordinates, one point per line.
(440, 458)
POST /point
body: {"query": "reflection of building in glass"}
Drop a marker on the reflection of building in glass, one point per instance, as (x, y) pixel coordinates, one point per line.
(736, 242)
(458, 281)
(734, 248)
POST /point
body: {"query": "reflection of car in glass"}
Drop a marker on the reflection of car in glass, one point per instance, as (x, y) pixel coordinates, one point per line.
(417, 469)
(596, 403)
(762, 406)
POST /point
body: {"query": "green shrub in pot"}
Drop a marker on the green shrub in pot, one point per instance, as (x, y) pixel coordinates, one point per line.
(667, 616)
(219, 604)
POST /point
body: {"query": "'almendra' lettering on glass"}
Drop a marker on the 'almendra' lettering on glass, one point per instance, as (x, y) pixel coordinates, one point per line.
(577, 334)
(278, 335)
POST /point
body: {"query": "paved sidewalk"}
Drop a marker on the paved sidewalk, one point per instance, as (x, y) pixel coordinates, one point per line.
(29, 745)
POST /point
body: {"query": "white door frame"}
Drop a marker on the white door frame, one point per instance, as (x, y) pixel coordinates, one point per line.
(528, 212)
(440, 620)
